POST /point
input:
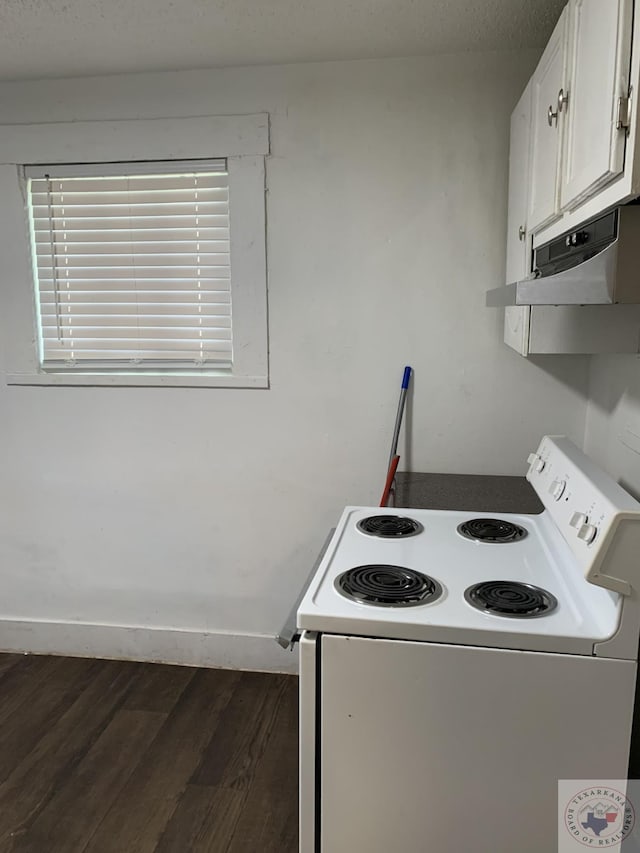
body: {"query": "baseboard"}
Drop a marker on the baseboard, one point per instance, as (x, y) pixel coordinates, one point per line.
(254, 652)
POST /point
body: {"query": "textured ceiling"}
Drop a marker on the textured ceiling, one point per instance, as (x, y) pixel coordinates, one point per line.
(42, 38)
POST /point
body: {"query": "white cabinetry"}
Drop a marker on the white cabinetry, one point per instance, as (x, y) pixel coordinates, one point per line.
(577, 116)
(518, 251)
(600, 55)
(537, 330)
(516, 318)
(575, 153)
(599, 163)
(546, 128)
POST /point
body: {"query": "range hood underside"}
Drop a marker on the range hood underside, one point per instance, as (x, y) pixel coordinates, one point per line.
(593, 282)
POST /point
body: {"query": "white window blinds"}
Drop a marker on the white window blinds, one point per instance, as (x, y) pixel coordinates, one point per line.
(132, 265)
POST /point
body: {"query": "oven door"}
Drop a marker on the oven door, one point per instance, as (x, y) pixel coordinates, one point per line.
(289, 635)
(433, 747)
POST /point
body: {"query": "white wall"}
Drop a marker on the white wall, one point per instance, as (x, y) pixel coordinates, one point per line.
(612, 434)
(200, 510)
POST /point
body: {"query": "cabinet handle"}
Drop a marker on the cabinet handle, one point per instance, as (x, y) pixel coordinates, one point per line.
(563, 100)
(522, 233)
(551, 116)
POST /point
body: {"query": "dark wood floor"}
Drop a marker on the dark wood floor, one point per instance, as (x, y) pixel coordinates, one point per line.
(119, 757)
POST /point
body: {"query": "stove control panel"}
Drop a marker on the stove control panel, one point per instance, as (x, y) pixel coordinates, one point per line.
(587, 532)
(578, 519)
(536, 462)
(556, 489)
(599, 520)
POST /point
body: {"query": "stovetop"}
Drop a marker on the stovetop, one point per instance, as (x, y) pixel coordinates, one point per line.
(513, 549)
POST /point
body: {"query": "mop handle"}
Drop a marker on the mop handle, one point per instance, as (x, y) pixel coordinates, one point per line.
(406, 378)
(391, 473)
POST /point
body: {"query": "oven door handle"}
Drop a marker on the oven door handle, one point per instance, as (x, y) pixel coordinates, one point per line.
(289, 634)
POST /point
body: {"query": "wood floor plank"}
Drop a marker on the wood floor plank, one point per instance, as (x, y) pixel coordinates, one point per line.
(72, 815)
(58, 687)
(31, 784)
(103, 757)
(269, 819)
(142, 810)
(22, 681)
(159, 688)
(238, 742)
(8, 661)
(203, 822)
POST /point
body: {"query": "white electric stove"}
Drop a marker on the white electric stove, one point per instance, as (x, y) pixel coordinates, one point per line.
(455, 666)
(345, 603)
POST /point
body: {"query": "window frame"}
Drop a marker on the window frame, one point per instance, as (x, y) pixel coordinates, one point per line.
(242, 140)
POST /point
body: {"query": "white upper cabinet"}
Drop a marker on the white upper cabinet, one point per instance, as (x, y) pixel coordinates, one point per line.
(516, 318)
(518, 188)
(550, 77)
(568, 163)
(599, 62)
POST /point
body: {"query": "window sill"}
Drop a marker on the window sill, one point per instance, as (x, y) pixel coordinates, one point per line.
(139, 380)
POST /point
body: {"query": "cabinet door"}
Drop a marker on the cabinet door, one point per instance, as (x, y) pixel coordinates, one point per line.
(517, 255)
(516, 318)
(546, 129)
(600, 51)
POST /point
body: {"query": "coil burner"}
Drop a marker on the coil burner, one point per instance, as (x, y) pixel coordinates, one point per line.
(388, 586)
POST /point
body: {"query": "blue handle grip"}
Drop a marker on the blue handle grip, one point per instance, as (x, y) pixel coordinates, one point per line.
(406, 378)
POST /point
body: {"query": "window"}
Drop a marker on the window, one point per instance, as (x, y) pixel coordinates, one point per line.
(132, 265)
(143, 263)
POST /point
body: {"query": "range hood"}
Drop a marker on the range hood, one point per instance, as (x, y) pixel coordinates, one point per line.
(597, 264)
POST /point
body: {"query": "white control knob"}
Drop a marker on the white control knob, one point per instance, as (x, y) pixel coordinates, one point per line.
(578, 519)
(587, 533)
(556, 489)
(536, 462)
